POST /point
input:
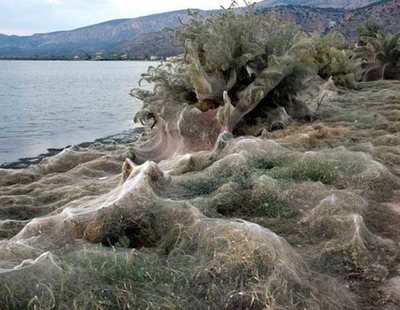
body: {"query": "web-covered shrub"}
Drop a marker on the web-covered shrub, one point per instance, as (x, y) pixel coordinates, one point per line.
(238, 58)
(334, 59)
(380, 56)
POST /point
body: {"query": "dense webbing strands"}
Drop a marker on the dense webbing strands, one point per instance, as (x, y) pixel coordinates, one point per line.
(167, 234)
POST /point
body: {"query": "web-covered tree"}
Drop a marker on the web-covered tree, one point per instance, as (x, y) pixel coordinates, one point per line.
(381, 56)
(335, 59)
(233, 63)
(369, 29)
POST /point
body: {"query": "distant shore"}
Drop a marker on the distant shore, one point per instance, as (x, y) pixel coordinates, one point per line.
(125, 137)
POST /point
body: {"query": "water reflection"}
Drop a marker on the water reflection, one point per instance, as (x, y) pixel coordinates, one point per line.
(51, 104)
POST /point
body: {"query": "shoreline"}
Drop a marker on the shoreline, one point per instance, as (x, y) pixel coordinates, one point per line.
(124, 137)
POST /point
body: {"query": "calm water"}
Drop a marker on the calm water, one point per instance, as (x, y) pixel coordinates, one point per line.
(51, 104)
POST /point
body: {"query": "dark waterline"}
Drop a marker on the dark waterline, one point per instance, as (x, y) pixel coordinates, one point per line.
(51, 104)
(126, 137)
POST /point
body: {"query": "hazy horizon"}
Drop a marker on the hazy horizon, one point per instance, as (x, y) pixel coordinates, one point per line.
(27, 17)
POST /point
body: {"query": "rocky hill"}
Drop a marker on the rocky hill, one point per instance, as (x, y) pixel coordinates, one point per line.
(310, 18)
(386, 13)
(158, 43)
(144, 36)
(344, 4)
(89, 40)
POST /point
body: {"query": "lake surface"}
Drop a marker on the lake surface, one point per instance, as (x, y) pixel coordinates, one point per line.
(52, 104)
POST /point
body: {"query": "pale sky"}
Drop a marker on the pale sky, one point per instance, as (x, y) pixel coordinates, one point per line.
(25, 17)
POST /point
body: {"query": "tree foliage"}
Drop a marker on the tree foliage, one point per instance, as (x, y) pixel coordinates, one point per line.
(369, 29)
(240, 59)
(334, 59)
(381, 56)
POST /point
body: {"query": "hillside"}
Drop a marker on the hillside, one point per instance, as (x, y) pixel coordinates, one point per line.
(88, 40)
(344, 4)
(311, 19)
(386, 13)
(158, 43)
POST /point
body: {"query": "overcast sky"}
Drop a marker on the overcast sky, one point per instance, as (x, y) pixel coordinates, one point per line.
(25, 17)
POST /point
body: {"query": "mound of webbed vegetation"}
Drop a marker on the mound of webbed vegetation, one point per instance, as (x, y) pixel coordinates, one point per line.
(236, 69)
(293, 219)
(380, 53)
(241, 72)
(336, 60)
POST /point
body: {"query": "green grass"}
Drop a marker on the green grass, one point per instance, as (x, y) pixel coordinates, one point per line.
(209, 183)
(307, 169)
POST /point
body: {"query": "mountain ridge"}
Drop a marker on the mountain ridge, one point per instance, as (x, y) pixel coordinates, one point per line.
(344, 4)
